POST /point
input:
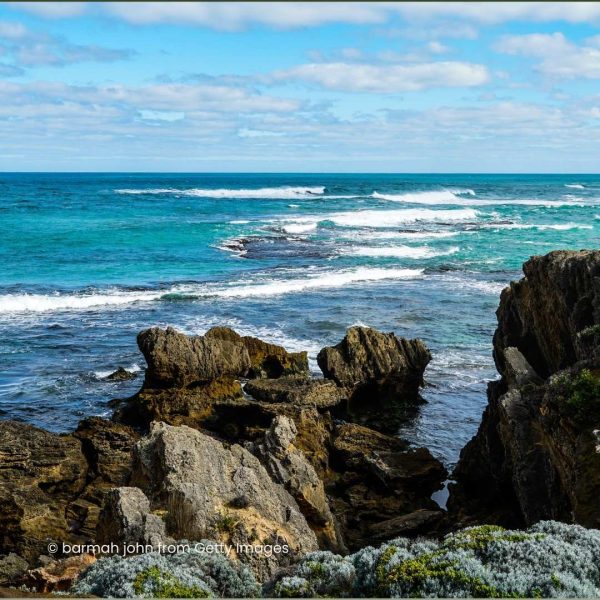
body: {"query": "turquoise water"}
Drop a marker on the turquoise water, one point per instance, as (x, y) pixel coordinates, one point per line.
(88, 260)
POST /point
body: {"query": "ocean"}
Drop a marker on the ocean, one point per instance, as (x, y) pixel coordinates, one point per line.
(89, 260)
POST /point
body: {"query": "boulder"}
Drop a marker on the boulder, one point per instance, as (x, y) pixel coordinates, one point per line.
(126, 519)
(289, 466)
(121, 374)
(176, 360)
(211, 491)
(12, 568)
(40, 473)
(320, 393)
(535, 454)
(380, 374)
(266, 360)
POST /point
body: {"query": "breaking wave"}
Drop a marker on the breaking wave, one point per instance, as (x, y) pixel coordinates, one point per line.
(283, 193)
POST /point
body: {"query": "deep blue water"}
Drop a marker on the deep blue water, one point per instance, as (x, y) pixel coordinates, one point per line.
(88, 260)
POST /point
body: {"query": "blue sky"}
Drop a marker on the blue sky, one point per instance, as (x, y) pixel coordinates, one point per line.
(293, 86)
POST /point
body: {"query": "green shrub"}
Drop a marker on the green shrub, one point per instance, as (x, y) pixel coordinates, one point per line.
(581, 398)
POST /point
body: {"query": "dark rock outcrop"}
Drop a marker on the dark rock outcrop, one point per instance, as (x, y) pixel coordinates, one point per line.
(380, 374)
(537, 453)
(375, 480)
(188, 377)
(176, 360)
(121, 374)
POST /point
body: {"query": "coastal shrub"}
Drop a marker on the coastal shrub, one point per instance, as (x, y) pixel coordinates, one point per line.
(195, 573)
(548, 560)
(580, 396)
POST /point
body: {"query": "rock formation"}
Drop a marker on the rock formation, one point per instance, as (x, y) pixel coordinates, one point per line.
(289, 466)
(536, 454)
(375, 479)
(213, 492)
(40, 473)
(380, 374)
(319, 393)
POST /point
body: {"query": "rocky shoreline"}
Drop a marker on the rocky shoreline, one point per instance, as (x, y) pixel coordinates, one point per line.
(231, 439)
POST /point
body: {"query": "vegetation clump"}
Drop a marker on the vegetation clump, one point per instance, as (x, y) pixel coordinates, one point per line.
(580, 396)
(195, 573)
(548, 560)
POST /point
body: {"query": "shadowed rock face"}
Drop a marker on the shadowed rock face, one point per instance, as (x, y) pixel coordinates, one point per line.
(536, 454)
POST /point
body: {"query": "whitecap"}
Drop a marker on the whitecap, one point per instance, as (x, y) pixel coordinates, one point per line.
(446, 197)
(299, 227)
(539, 226)
(415, 252)
(391, 218)
(37, 303)
(284, 192)
(575, 186)
(332, 279)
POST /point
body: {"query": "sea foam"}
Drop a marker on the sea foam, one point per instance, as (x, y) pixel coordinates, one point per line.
(283, 193)
(392, 218)
(447, 197)
(415, 252)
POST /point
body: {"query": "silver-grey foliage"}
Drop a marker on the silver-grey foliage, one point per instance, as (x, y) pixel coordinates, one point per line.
(549, 560)
(193, 573)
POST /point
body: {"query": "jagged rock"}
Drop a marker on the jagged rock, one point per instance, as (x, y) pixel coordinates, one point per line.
(266, 360)
(58, 576)
(375, 479)
(12, 567)
(121, 374)
(176, 360)
(214, 492)
(126, 519)
(535, 455)
(517, 370)
(295, 390)
(380, 373)
(188, 375)
(544, 313)
(40, 473)
(289, 466)
(179, 406)
(107, 447)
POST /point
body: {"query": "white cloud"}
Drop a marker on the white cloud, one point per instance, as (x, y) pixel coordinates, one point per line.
(360, 77)
(28, 48)
(237, 15)
(558, 56)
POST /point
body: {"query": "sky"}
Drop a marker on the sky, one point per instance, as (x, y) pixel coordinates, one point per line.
(300, 86)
